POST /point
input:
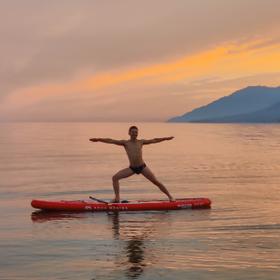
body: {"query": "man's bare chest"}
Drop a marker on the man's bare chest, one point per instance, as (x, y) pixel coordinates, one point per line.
(133, 147)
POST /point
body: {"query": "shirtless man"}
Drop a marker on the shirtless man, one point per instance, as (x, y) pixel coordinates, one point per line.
(133, 148)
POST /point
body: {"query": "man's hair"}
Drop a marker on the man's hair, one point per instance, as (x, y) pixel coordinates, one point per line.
(133, 127)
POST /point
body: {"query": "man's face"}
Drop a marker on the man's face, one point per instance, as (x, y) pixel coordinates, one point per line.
(133, 132)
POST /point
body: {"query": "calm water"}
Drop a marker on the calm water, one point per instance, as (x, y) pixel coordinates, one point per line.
(237, 166)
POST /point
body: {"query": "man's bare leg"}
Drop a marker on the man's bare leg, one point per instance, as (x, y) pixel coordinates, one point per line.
(150, 176)
(124, 173)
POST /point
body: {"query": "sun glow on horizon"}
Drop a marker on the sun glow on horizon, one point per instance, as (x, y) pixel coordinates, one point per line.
(227, 60)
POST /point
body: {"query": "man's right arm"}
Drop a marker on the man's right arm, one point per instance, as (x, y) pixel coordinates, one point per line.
(108, 141)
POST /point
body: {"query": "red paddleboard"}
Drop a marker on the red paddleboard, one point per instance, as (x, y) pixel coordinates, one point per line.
(140, 205)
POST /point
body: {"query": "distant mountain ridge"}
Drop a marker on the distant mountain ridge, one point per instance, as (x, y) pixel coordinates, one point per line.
(251, 104)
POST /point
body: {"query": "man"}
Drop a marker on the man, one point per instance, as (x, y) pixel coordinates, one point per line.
(133, 148)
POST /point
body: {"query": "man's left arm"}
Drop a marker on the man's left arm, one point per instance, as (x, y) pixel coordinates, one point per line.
(156, 140)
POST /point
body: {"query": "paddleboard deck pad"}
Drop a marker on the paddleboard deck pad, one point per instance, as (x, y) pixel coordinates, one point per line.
(140, 205)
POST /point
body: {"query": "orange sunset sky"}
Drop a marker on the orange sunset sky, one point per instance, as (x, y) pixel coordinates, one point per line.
(131, 60)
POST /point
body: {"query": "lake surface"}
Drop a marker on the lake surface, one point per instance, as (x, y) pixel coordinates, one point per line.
(236, 166)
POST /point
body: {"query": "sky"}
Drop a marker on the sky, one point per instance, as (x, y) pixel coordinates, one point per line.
(125, 60)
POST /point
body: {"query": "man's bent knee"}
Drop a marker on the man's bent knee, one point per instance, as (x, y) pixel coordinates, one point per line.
(115, 178)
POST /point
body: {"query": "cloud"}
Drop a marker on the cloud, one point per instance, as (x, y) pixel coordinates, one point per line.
(141, 102)
(62, 50)
(47, 42)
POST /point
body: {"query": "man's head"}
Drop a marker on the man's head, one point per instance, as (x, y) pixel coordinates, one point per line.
(133, 131)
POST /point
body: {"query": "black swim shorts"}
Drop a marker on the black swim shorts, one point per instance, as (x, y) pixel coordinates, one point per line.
(137, 169)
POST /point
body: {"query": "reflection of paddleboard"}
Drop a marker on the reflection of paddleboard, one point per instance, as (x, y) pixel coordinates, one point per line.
(140, 205)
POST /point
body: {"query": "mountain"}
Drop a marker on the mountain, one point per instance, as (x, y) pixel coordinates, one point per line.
(251, 104)
(268, 115)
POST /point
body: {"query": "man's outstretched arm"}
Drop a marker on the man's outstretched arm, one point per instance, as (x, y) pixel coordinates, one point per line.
(156, 140)
(108, 141)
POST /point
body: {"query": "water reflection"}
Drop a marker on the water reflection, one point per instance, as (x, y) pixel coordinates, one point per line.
(44, 216)
(134, 248)
(138, 232)
(135, 254)
(134, 232)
